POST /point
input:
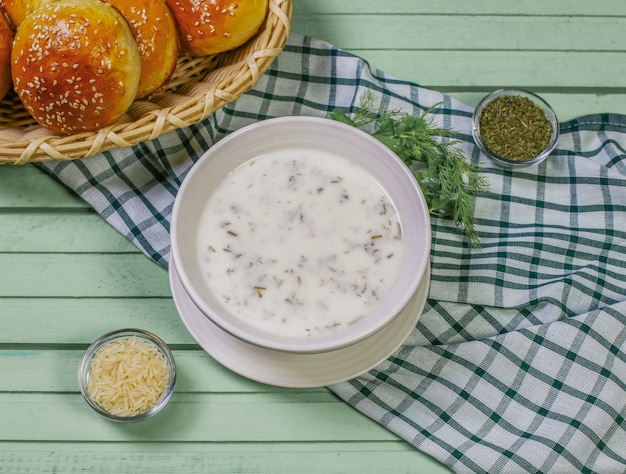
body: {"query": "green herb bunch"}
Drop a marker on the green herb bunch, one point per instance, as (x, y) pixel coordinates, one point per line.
(449, 183)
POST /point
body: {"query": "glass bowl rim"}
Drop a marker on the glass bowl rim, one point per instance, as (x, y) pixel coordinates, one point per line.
(502, 160)
(83, 371)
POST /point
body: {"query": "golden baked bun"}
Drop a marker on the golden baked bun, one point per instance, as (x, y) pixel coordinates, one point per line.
(213, 26)
(154, 30)
(75, 65)
(6, 44)
(17, 10)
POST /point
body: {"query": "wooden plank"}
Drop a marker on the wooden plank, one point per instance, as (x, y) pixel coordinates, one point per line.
(60, 231)
(179, 458)
(463, 33)
(55, 370)
(81, 275)
(490, 69)
(199, 417)
(63, 321)
(567, 106)
(27, 187)
(462, 7)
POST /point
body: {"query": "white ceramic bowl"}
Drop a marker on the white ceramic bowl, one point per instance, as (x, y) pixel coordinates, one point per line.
(316, 134)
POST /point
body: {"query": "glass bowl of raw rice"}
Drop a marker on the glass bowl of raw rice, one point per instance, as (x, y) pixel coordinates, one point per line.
(127, 375)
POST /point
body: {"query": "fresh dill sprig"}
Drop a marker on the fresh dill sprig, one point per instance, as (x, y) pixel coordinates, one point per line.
(449, 183)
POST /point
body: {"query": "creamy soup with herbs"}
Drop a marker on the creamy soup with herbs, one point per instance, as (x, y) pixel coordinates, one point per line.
(298, 242)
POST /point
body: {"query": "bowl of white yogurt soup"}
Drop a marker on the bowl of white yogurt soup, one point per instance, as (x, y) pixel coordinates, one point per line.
(300, 234)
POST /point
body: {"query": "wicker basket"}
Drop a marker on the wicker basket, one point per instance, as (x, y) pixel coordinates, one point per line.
(199, 87)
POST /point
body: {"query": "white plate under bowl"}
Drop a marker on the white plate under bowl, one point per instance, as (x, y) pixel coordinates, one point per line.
(297, 370)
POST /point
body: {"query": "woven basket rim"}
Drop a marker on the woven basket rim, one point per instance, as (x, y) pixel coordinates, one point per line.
(199, 87)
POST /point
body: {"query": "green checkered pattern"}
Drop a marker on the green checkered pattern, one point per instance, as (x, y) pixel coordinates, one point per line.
(517, 363)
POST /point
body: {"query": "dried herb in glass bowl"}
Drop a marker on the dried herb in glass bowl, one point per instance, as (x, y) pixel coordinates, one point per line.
(515, 128)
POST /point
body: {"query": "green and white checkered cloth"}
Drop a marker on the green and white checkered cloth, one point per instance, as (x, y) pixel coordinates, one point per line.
(517, 363)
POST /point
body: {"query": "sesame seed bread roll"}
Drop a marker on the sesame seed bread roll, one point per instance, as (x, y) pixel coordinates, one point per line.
(6, 44)
(75, 65)
(17, 10)
(208, 27)
(154, 29)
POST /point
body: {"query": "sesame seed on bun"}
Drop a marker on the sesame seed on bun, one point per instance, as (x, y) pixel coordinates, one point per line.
(208, 27)
(154, 29)
(6, 44)
(75, 65)
(17, 10)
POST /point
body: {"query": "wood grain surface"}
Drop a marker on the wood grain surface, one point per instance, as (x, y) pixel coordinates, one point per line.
(66, 276)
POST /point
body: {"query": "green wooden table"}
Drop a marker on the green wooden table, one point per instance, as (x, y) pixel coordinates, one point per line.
(66, 277)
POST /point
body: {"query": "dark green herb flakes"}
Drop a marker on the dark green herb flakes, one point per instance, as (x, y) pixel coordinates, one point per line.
(514, 127)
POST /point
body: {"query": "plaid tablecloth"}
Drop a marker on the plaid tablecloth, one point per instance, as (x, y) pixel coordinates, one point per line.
(517, 363)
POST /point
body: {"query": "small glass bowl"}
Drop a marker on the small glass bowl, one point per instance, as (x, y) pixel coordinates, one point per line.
(504, 161)
(85, 367)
